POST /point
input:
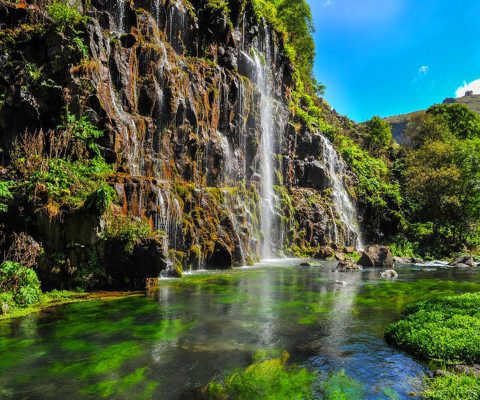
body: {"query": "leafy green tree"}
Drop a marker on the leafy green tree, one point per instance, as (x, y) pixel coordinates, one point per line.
(461, 121)
(379, 133)
(296, 16)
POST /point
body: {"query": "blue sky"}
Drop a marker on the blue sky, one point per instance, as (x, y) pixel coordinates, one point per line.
(388, 57)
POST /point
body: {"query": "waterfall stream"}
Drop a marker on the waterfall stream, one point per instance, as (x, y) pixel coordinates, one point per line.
(344, 205)
(267, 152)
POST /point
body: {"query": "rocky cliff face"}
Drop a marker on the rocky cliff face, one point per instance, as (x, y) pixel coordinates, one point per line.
(195, 105)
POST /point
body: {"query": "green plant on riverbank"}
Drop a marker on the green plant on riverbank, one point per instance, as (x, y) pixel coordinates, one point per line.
(452, 387)
(19, 286)
(447, 330)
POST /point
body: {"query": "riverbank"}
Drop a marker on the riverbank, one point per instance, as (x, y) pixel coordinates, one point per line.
(58, 298)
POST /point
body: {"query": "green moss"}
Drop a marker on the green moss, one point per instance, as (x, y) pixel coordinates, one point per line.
(267, 379)
(445, 329)
(165, 330)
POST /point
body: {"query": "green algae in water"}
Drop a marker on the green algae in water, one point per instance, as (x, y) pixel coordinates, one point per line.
(397, 294)
(341, 386)
(164, 330)
(12, 350)
(106, 360)
(131, 383)
(270, 379)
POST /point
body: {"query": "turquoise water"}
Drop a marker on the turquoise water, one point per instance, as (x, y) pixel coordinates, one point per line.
(191, 331)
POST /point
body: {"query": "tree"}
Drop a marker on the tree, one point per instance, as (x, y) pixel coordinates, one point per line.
(379, 133)
(463, 122)
(296, 16)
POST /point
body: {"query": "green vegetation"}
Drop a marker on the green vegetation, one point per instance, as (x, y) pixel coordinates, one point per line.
(63, 15)
(128, 230)
(267, 378)
(452, 387)
(19, 286)
(340, 386)
(62, 169)
(379, 133)
(445, 329)
(442, 169)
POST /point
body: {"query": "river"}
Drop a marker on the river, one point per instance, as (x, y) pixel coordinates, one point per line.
(191, 331)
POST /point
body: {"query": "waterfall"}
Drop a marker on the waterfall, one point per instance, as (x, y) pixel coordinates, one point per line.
(267, 151)
(343, 203)
(120, 14)
(167, 219)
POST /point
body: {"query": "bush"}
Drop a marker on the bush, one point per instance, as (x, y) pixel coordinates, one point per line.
(19, 285)
(445, 329)
(63, 15)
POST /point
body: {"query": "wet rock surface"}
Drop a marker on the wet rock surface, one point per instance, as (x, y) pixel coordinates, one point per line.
(175, 88)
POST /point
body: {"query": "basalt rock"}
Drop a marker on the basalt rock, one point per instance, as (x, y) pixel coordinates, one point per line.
(376, 256)
(348, 265)
(466, 260)
(175, 88)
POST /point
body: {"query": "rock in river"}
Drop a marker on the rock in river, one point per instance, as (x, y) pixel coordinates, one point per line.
(389, 273)
(348, 265)
(376, 256)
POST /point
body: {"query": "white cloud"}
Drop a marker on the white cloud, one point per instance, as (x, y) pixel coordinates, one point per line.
(423, 70)
(328, 3)
(473, 86)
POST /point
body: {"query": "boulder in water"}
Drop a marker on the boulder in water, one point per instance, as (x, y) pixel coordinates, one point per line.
(348, 265)
(341, 283)
(340, 256)
(376, 256)
(389, 273)
(466, 260)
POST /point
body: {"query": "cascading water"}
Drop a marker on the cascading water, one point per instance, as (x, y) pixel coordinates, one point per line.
(120, 14)
(343, 203)
(267, 152)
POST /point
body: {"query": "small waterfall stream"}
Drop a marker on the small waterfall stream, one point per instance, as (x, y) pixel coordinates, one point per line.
(344, 205)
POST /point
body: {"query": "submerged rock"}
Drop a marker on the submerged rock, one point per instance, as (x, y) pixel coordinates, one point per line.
(376, 256)
(348, 265)
(389, 273)
(341, 283)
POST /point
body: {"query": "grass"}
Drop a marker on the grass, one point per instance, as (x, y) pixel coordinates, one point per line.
(58, 298)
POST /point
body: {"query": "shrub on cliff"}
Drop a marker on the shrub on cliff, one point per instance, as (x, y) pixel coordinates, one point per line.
(61, 169)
